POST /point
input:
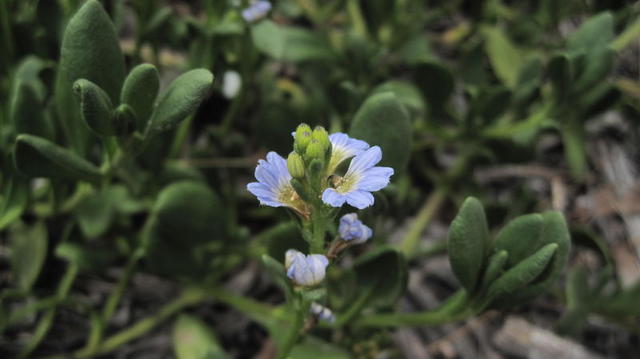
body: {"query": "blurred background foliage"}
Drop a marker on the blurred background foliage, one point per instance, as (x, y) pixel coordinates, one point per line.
(527, 105)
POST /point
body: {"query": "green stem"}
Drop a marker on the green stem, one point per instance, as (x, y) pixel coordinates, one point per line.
(630, 34)
(423, 219)
(295, 330)
(116, 295)
(46, 321)
(189, 297)
(456, 308)
(355, 307)
(261, 313)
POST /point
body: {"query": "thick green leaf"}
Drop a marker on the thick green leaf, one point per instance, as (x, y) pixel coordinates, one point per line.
(383, 121)
(521, 237)
(97, 211)
(596, 32)
(95, 108)
(520, 276)
(184, 230)
(28, 252)
(598, 65)
(289, 43)
(555, 231)
(193, 339)
(495, 268)
(468, 242)
(383, 274)
(28, 72)
(37, 157)
(506, 59)
(27, 111)
(182, 97)
(139, 91)
(90, 50)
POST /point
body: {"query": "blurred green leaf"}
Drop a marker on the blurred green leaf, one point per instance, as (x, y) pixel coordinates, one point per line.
(506, 59)
(86, 257)
(15, 196)
(315, 348)
(467, 243)
(26, 111)
(193, 339)
(383, 121)
(97, 212)
(425, 75)
(37, 157)
(139, 91)
(560, 75)
(408, 94)
(595, 33)
(382, 273)
(495, 268)
(184, 230)
(28, 253)
(289, 43)
(182, 97)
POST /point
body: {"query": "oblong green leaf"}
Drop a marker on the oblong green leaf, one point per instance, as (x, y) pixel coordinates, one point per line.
(15, 197)
(383, 121)
(596, 32)
(90, 50)
(183, 231)
(36, 157)
(383, 272)
(139, 91)
(525, 272)
(467, 243)
(506, 59)
(27, 113)
(521, 237)
(289, 43)
(181, 98)
(495, 267)
(28, 253)
(95, 107)
(193, 339)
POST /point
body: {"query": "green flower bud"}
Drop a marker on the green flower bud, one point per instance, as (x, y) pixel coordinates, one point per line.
(315, 150)
(295, 164)
(303, 138)
(321, 135)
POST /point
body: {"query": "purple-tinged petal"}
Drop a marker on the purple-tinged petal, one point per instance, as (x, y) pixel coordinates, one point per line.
(360, 199)
(375, 179)
(331, 197)
(365, 160)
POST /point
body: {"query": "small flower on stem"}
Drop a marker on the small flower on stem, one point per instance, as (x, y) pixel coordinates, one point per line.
(322, 313)
(362, 178)
(306, 270)
(256, 11)
(352, 230)
(274, 185)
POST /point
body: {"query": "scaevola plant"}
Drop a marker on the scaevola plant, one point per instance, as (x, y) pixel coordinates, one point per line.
(309, 184)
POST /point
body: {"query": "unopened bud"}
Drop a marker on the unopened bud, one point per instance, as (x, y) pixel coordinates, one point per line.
(303, 138)
(321, 135)
(315, 150)
(295, 164)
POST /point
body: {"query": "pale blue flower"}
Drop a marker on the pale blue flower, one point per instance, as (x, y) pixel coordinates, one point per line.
(342, 148)
(321, 312)
(256, 11)
(362, 178)
(306, 270)
(351, 229)
(273, 187)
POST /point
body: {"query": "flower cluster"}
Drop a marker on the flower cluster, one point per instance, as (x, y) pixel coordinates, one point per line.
(314, 181)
